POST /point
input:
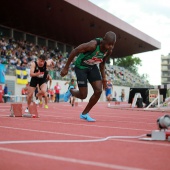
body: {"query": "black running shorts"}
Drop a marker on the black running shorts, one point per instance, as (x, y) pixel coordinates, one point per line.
(34, 81)
(91, 74)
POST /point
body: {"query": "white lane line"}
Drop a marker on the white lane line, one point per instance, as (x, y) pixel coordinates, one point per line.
(70, 141)
(87, 125)
(70, 160)
(85, 136)
(113, 114)
(112, 121)
(49, 132)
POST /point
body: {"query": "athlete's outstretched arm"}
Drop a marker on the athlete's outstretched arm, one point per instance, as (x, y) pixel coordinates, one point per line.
(90, 46)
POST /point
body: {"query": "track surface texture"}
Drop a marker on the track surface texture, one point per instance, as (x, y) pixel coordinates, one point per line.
(59, 139)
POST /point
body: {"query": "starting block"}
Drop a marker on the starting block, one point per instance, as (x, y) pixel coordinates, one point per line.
(33, 110)
(16, 110)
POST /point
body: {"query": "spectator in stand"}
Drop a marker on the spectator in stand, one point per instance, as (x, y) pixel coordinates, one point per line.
(21, 53)
(57, 89)
(122, 95)
(6, 89)
(6, 96)
(24, 62)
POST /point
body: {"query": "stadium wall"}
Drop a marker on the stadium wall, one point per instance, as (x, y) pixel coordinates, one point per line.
(16, 90)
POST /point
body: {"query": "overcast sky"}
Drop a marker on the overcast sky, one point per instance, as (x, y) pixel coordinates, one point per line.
(151, 17)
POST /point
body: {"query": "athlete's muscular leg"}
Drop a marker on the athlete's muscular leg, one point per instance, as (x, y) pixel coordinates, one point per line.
(30, 94)
(81, 93)
(97, 87)
(42, 91)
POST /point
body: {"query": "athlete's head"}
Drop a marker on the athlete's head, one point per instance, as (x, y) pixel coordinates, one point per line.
(109, 40)
(41, 60)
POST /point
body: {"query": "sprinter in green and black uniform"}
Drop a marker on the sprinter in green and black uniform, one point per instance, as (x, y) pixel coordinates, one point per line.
(90, 54)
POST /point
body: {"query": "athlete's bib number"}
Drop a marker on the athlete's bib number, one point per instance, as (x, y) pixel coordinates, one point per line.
(41, 75)
(93, 61)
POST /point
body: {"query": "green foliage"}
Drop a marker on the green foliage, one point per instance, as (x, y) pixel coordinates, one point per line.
(130, 63)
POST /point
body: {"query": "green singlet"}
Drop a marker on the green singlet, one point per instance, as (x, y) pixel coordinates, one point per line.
(89, 59)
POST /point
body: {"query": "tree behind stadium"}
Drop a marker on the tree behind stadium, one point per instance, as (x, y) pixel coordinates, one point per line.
(130, 63)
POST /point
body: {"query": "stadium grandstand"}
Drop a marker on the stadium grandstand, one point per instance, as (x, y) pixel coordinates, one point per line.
(18, 54)
(54, 28)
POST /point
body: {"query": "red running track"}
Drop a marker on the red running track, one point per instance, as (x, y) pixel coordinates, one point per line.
(58, 139)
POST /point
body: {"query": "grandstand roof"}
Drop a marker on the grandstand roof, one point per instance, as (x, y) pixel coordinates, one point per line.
(74, 22)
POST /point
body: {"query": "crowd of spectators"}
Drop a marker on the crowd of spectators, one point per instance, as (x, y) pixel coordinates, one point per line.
(19, 54)
(122, 76)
